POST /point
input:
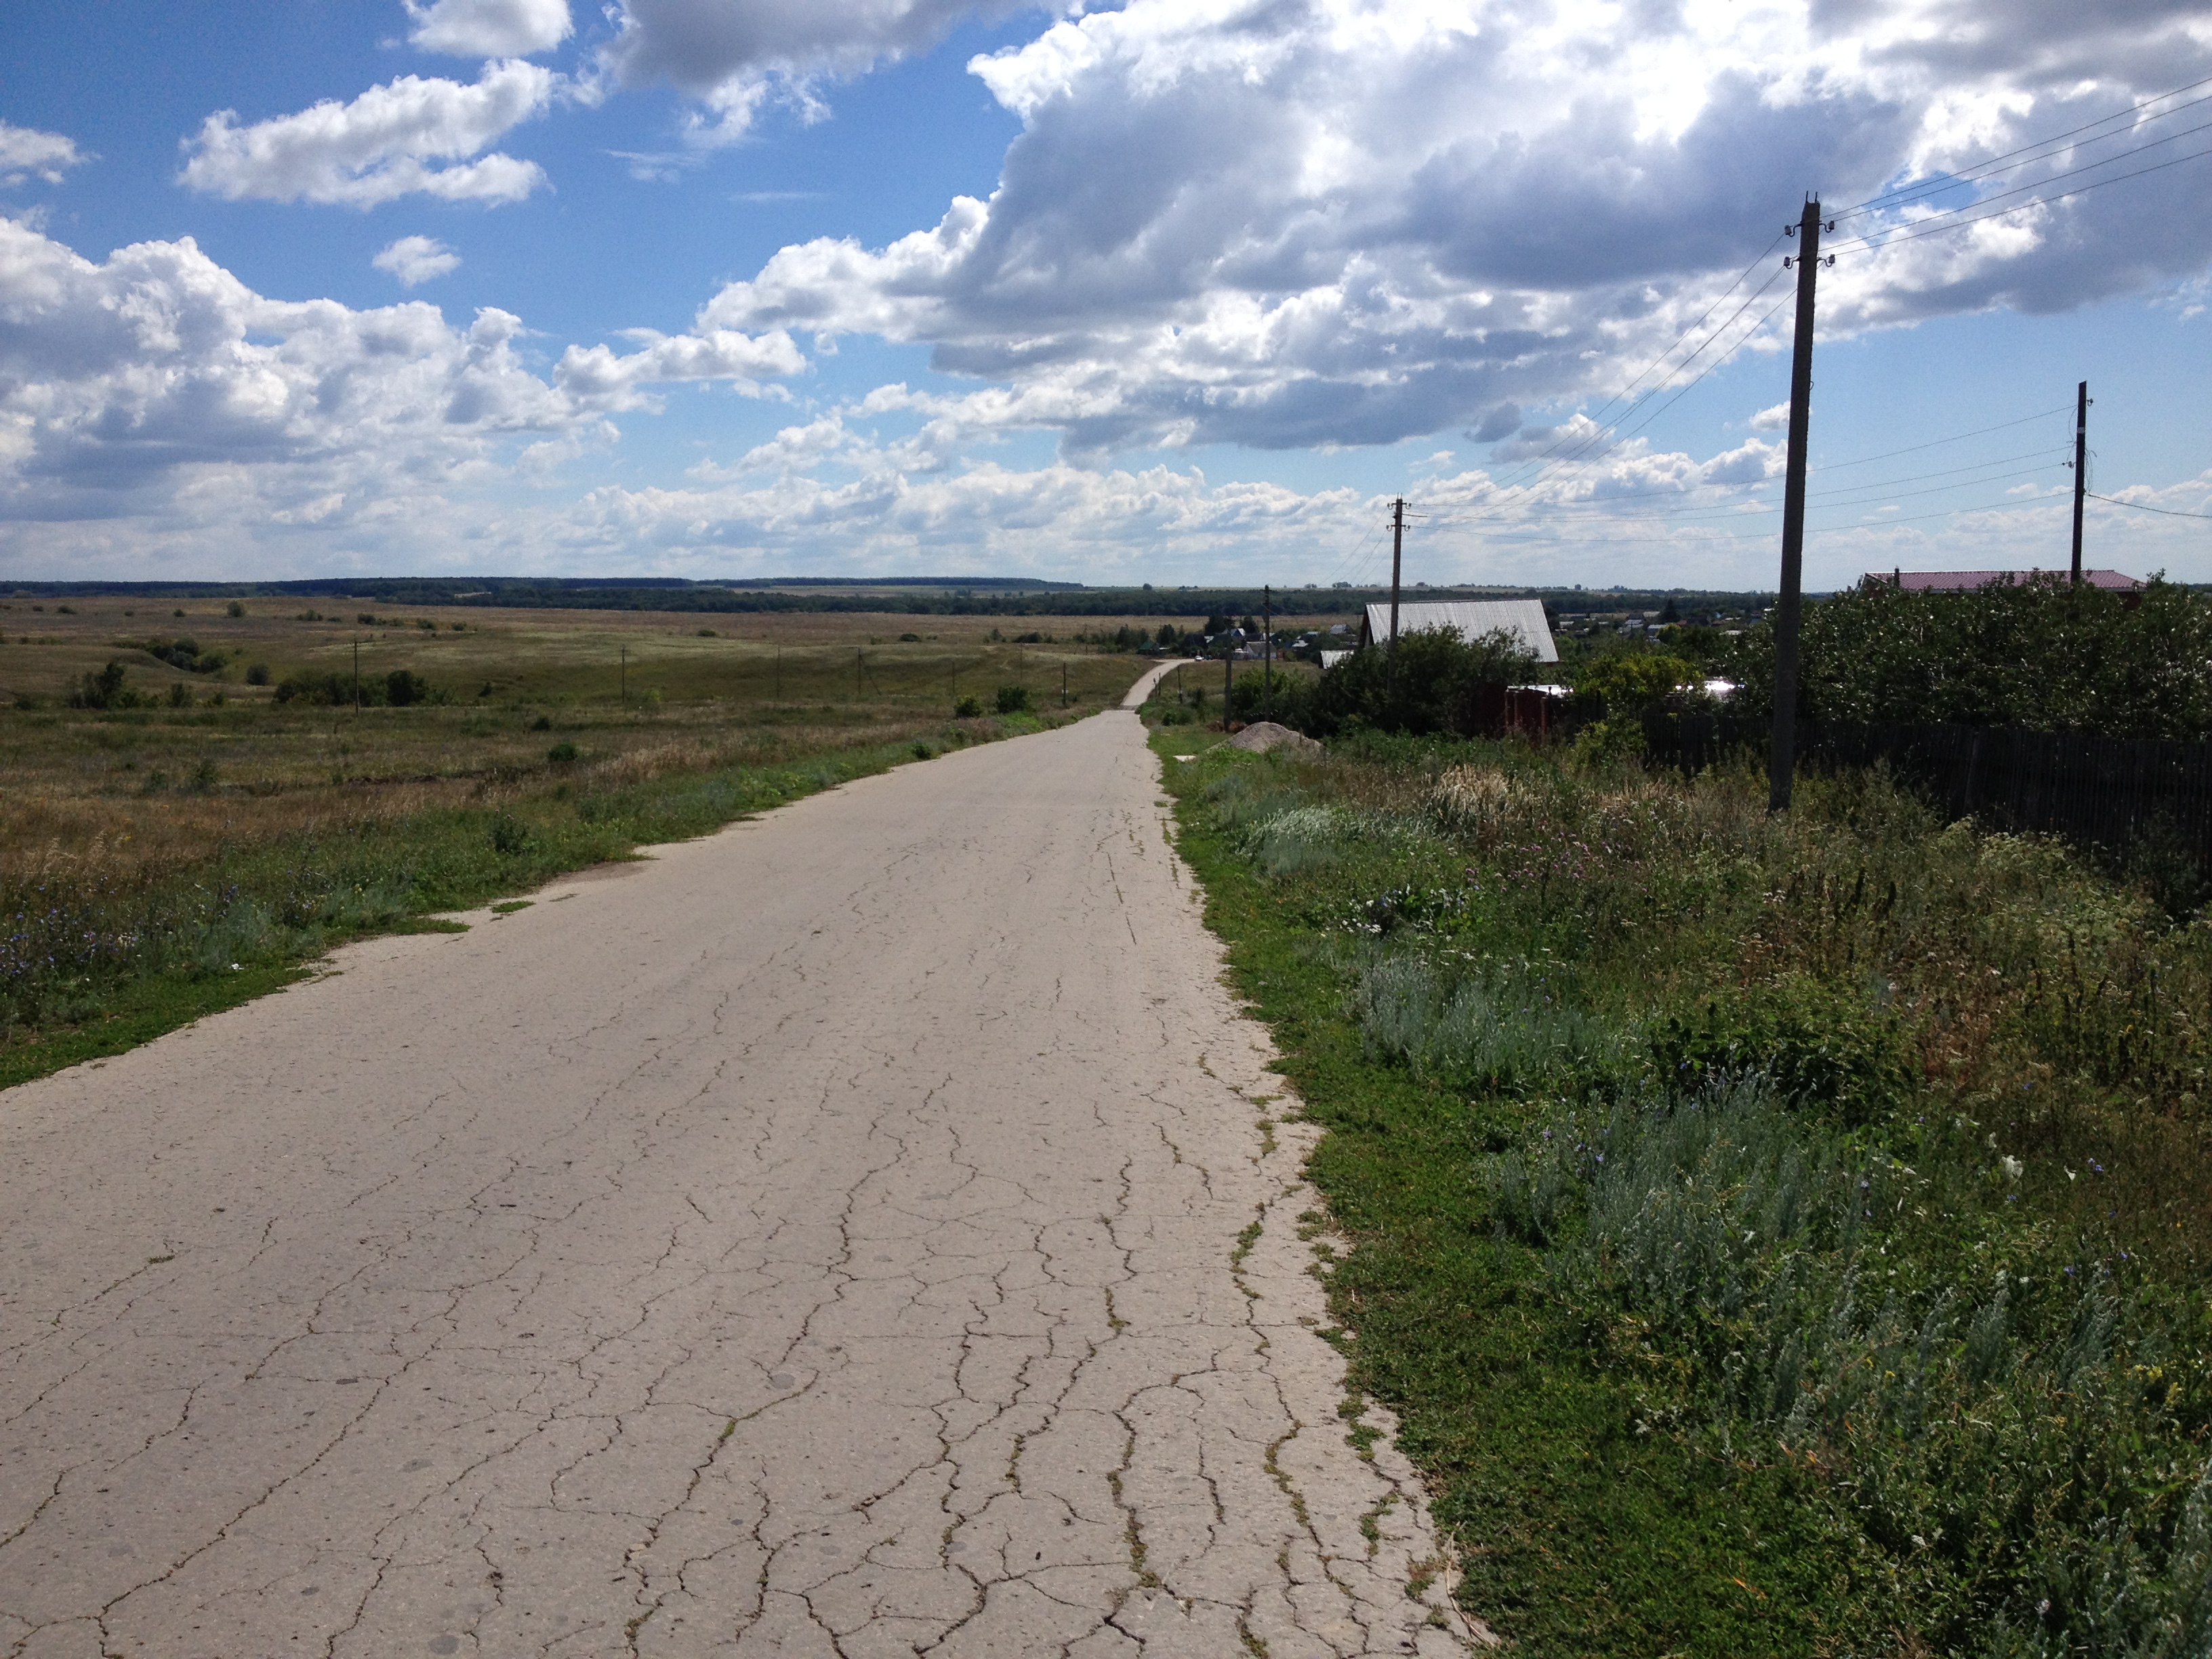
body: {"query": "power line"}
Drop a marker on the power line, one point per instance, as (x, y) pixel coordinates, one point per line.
(1533, 534)
(1623, 435)
(2087, 167)
(2165, 511)
(1873, 495)
(1982, 169)
(1537, 463)
(1936, 443)
(1891, 239)
(1818, 471)
(1616, 439)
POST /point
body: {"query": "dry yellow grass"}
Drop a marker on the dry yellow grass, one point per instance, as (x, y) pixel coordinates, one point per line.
(130, 794)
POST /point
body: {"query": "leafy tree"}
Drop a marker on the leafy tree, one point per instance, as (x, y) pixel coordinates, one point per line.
(1433, 680)
(1287, 699)
(1623, 684)
(2044, 655)
(105, 689)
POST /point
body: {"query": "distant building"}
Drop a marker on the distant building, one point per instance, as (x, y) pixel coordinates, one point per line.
(1969, 581)
(1472, 618)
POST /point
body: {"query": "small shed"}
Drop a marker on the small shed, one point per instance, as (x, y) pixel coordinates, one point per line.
(1472, 618)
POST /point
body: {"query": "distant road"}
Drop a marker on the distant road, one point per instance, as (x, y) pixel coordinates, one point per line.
(821, 1239)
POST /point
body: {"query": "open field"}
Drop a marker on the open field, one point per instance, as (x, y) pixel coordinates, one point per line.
(1778, 1235)
(135, 838)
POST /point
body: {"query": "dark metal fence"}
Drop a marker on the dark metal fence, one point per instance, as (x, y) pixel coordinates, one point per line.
(2100, 792)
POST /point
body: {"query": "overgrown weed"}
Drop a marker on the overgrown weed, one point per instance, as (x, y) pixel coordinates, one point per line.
(1750, 1208)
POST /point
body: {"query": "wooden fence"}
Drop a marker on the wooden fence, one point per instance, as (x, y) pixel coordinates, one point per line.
(2100, 792)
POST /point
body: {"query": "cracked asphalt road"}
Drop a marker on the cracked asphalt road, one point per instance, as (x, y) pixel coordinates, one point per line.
(835, 1236)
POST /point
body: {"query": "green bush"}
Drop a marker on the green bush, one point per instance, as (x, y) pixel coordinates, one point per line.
(2044, 655)
(1820, 1045)
(1777, 1234)
(1287, 699)
(1624, 685)
(1012, 699)
(403, 687)
(105, 689)
(184, 654)
(257, 674)
(966, 708)
(562, 753)
(1436, 684)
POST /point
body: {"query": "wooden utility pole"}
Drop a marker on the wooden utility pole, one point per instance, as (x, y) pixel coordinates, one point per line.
(1783, 761)
(625, 675)
(1267, 651)
(1397, 557)
(2080, 470)
(356, 643)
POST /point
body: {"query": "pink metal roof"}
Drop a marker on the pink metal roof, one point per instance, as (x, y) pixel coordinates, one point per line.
(1965, 581)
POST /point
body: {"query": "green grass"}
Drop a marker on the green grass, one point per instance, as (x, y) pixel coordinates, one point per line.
(1798, 1366)
(98, 966)
(139, 1013)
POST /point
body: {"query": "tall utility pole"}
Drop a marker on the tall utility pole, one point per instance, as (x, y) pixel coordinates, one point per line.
(2081, 469)
(1268, 652)
(1397, 559)
(356, 643)
(625, 676)
(1781, 763)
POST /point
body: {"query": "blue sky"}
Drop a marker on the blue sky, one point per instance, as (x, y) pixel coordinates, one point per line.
(1178, 290)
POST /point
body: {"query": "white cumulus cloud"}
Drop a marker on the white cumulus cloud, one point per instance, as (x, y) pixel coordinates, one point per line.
(489, 29)
(388, 143)
(600, 376)
(25, 151)
(153, 376)
(729, 55)
(1358, 221)
(416, 259)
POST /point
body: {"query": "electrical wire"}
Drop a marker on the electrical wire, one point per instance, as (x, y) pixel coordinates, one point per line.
(1618, 438)
(1606, 440)
(1820, 471)
(1937, 443)
(2087, 167)
(1761, 508)
(1533, 536)
(2165, 511)
(1881, 239)
(1983, 169)
(1537, 463)
(1971, 213)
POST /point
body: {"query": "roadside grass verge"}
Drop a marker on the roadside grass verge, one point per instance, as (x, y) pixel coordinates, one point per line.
(101, 949)
(1775, 1237)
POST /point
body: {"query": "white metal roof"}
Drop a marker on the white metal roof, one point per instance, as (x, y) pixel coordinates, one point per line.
(1472, 617)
